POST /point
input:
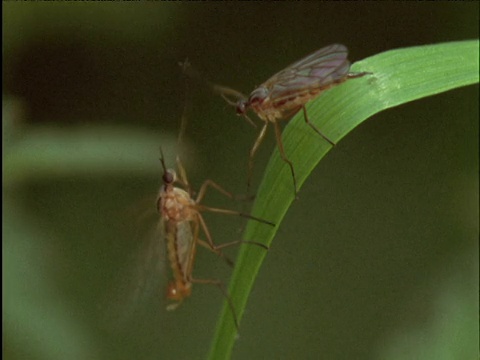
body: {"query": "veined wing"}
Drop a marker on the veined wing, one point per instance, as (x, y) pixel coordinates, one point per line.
(180, 244)
(317, 70)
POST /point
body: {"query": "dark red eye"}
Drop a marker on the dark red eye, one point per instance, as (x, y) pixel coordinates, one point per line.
(168, 177)
(241, 107)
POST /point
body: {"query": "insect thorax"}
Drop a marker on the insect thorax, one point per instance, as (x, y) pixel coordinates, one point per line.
(176, 205)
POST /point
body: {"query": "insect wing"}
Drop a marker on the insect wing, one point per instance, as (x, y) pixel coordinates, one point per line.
(317, 70)
(181, 248)
(152, 267)
(136, 292)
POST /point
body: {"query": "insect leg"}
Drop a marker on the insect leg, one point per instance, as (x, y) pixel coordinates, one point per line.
(314, 127)
(224, 291)
(278, 136)
(182, 175)
(210, 243)
(213, 184)
(225, 245)
(217, 248)
(254, 149)
(199, 207)
(236, 242)
(203, 190)
(206, 245)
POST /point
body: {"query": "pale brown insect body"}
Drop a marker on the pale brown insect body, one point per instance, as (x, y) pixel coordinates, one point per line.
(287, 92)
(176, 208)
(180, 223)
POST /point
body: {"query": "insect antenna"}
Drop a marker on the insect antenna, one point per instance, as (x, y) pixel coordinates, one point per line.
(225, 92)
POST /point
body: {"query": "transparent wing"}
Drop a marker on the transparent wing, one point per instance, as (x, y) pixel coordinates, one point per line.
(317, 70)
(185, 245)
(138, 289)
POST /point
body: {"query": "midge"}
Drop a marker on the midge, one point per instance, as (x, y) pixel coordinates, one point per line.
(180, 224)
(287, 92)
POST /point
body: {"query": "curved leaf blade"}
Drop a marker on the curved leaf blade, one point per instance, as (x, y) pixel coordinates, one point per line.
(398, 76)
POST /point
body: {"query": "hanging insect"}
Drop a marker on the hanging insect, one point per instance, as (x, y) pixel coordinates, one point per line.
(180, 224)
(287, 92)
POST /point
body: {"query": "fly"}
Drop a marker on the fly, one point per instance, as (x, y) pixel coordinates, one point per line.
(181, 223)
(287, 92)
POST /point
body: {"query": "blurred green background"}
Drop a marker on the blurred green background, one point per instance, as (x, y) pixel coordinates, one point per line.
(377, 260)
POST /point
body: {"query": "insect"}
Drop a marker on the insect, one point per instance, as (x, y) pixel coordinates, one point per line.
(181, 222)
(287, 92)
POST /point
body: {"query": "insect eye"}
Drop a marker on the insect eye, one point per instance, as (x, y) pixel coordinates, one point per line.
(241, 107)
(258, 95)
(169, 177)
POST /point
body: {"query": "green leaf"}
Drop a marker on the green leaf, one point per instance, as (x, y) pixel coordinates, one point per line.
(398, 76)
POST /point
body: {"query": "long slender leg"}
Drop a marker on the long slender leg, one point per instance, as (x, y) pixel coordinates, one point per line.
(199, 222)
(314, 127)
(236, 242)
(254, 149)
(278, 136)
(213, 184)
(250, 121)
(220, 189)
(216, 248)
(231, 212)
(231, 243)
(217, 252)
(183, 175)
(224, 291)
(207, 233)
